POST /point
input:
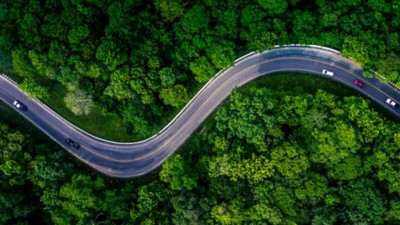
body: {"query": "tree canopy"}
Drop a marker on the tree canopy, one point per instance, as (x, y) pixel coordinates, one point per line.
(268, 156)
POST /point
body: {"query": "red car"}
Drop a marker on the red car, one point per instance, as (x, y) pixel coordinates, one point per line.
(359, 83)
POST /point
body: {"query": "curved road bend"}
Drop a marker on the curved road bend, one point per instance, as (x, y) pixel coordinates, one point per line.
(126, 160)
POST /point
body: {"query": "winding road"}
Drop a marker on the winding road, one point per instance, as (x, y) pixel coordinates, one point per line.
(127, 160)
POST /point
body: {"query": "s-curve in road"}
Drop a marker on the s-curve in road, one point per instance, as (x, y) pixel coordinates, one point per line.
(126, 160)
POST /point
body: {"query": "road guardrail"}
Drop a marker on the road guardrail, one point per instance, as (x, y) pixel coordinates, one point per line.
(311, 46)
(9, 78)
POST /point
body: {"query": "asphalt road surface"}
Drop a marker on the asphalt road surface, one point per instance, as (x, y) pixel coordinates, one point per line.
(127, 160)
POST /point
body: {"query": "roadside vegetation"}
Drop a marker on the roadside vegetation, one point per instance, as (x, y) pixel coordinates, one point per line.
(141, 61)
(287, 149)
(268, 156)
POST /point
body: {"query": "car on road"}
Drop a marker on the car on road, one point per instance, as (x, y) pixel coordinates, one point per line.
(327, 72)
(391, 102)
(19, 105)
(72, 143)
(359, 83)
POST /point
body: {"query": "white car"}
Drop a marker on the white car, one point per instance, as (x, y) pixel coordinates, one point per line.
(391, 102)
(19, 105)
(327, 72)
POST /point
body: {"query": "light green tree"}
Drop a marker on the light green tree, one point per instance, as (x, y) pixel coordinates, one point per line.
(79, 102)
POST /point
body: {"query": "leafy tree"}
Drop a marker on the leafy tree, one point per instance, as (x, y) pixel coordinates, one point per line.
(28, 29)
(274, 7)
(221, 57)
(342, 154)
(289, 160)
(170, 10)
(110, 54)
(263, 41)
(79, 102)
(79, 199)
(150, 205)
(303, 26)
(119, 85)
(348, 169)
(15, 201)
(283, 198)
(330, 19)
(314, 189)
(58, 52)
(355, 49)
(22, 64)
(167, 77)
(78, 34)
(190, 209)
(39, 61)
(379, 5)
(393, 214)
(229, 213)
(363, 198)
(175, 96)
(251, 14)
(254, 169)
(13, 158)
(202, 69)
(178, 174)
(33, 89)
(47, 171)
(94, 71)
(195, 20)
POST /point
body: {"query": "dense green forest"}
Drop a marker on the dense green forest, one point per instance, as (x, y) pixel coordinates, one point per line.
(141, 61)
(268, 156)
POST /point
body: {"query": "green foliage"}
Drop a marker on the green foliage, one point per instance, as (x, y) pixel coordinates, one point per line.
(175, 96)
(253, 169)
(33, 89)
(79, 196)
(78, 34)
(190, 209)
(3, 11)
(177, 43)
(313, 164)
(263, 41)
(348, 169)
(284, 200)
(5, 61)
(362, 197)
(274, 7)
(355, 49)
(269, 157)
(170, 9)
(110, 54)
(202, 69)
(289, 160)
(79, 102)
(178, 174)
(13, 158)
(22, 64)
(119, 85)
(251, 14)
(195, 20)
(330, 19)
(167, 77)
(314, 189)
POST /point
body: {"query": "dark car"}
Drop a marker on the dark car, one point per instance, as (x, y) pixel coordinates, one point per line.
(359, 83)
(72, 143)
(19, 105)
